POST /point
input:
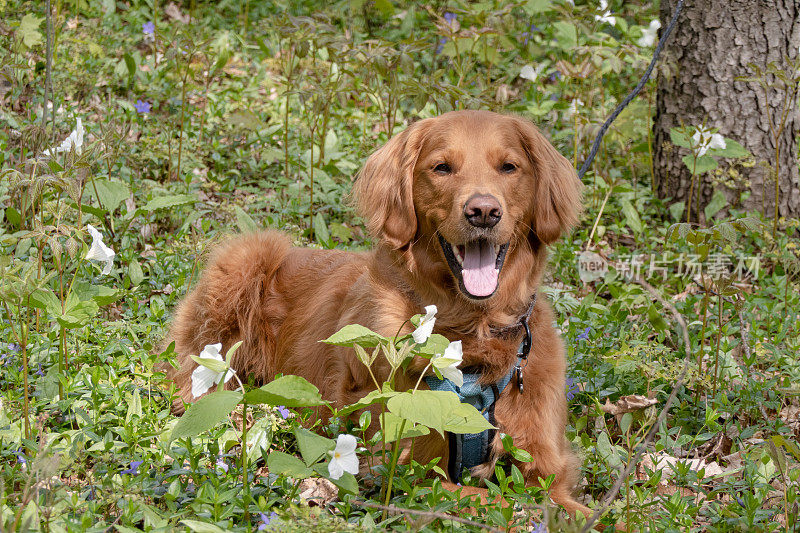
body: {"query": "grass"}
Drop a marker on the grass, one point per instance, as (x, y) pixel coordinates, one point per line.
(259, 116)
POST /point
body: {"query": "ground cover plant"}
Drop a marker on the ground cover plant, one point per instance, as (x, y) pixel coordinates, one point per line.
(135, 135)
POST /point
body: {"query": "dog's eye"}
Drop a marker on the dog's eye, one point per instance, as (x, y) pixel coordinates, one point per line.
(507, 168)
(442, 168)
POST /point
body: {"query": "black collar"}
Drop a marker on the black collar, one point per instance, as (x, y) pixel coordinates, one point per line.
(512, 330)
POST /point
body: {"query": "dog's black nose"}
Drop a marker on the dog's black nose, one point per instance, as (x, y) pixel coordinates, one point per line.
(483, 211)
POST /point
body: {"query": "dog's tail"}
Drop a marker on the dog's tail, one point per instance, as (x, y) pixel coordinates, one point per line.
(232, 302)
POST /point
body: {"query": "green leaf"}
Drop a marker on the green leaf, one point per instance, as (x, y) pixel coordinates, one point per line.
(466, 419)
(289, 391)
(347, 483)
(130, 63)
(202, 527)
(704, 163)
(163, 202)
(77, 313)
(732, 149)
(676, 210)
(567, 35)
(532, 7)
(244, 221)
(29, 30)
(212, 364)
(391, 423)
(287, 465)
(718, 201)
(516, 453)
(439, 410)
(631, 216)
(134, 406)
(110, 194)
(321, 231)
(313, 447)
(101, 294)
(680, 138)
(373, 397)
(436, 344)
(356, 334)
(206, 413)
(135, 273)
(45, 299)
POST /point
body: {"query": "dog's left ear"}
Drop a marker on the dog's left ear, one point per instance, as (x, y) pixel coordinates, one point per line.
(384, 187)
(556, 203)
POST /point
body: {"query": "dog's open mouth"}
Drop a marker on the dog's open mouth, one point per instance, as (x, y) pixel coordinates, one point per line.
(476, 265)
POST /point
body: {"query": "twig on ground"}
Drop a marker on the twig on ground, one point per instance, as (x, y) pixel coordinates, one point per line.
(640, 449)
(428, 514)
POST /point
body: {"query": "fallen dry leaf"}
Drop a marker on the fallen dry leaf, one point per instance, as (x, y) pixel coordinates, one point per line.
(318, 491)
(628, 404)
(174, 12)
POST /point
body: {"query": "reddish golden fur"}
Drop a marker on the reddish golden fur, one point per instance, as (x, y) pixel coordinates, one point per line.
(282, 300)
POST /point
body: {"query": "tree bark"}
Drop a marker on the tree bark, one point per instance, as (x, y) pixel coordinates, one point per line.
(711, 45)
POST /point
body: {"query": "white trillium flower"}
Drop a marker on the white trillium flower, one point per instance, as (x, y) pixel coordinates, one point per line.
(203, 378)
(448, 362)
(573, 107)
(343, 457)
(425, 327)
(603, 5)
(75, 139)
(530, 72)
(649, 34)
(606, 17)
(703, 141)
(99, 251)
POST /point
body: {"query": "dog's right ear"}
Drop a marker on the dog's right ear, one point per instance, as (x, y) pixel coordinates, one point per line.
(383, 188)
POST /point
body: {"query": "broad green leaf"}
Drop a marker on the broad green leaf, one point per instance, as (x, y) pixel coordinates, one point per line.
(259, 437)
(321, 231)
(110, 194)
(163, 202)
(130, 63)
(287, 465)
(732, 149)
(433, 409)
(77, 313)
(134, 406)
(532, 7)
(718, 201)
(313, 447)
(704, 163)
(28, 30)
(466, 419)
(202, 527)
(101, 294)
(135, 273)
(436, 344)
(676, 210)
(212, 364)
(656, 318)
(391, 423)
(631, 216)
(567, 35)
(289, 391)
(340, 232)
(356, 334)
(244, 221)
(347, 483)
(373, 397)
(680, 138)
(45, 299)
(517, 453)
(206, 413)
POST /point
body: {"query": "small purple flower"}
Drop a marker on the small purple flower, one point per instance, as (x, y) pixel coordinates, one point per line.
(265, 520)
(572, 388)
(134, 469)
(585, 335)
(39, 372)
(149, 28)
(440, 47)
(142, 106)
(222, 464)
(20, 456)
(284, 412)
(541, 527)
(449, 17)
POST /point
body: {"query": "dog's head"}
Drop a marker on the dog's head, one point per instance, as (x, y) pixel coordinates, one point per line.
(483, 186)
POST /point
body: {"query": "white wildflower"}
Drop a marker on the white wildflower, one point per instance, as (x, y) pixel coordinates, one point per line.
(98, 251)
(531, 73)
(74, 140)
(448, 362)
(203, 377)
(343, 457)
(425, 327)
(649, 34)
(704, 140)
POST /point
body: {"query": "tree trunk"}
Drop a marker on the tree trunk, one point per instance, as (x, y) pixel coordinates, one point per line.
(711, 45)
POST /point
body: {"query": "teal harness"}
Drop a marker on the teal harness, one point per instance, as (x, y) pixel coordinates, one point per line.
(472, 449)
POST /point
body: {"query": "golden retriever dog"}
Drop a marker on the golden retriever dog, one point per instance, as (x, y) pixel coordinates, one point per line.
(462, 207)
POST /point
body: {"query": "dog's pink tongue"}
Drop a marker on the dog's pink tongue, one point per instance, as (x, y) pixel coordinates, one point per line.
(479, 273)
